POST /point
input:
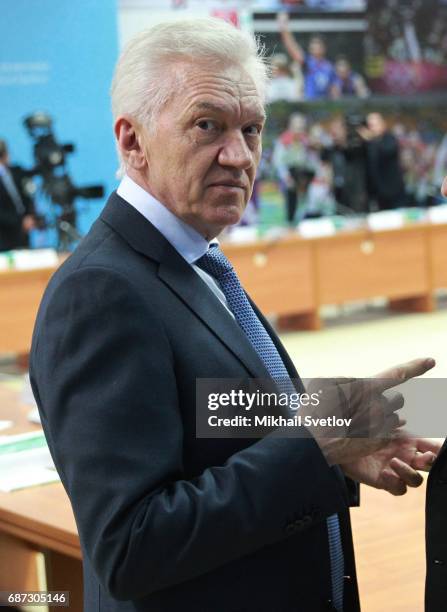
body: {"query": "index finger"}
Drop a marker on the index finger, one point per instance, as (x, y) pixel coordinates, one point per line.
(401, 373)
(433, 445)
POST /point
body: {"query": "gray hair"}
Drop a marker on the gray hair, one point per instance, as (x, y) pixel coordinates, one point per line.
(140, 88)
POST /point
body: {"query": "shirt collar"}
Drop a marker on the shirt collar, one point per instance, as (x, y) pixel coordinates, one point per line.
(184, 238)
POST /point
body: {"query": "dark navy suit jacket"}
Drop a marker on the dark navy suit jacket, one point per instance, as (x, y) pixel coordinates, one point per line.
(436, 536)
(169, 522)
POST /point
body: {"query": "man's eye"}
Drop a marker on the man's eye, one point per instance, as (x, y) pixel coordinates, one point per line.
(206, 125)
(253, 130)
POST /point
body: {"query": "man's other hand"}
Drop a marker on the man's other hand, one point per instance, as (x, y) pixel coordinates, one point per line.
(396, 466)
(370, 407)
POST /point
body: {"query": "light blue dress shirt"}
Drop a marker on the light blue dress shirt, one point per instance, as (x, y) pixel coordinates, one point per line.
(185, 239)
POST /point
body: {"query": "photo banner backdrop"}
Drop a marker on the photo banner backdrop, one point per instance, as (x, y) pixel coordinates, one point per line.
(406, 46)
(57, 56)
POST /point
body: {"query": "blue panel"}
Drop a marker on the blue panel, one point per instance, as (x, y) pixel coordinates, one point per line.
(58, 56)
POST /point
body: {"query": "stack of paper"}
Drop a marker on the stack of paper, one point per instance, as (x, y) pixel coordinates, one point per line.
(25, 461)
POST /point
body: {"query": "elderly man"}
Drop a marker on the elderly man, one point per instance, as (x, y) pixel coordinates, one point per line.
(145, 307)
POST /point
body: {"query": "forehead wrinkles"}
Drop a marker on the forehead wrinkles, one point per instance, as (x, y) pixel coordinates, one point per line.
(224, 89)
(238, 83)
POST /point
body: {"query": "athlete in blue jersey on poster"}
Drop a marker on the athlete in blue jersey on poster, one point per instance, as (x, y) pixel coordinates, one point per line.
(347, 82)
(319, 72)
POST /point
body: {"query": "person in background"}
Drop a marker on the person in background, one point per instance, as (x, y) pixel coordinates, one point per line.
(334, 154)
(347, 82)
(294, 163)
(319, 73)
(17, 215)
(418, 161)
(320, 201)
(385, 175)
(283, 84)
(347, 156)
(440, 168)
(435, 525)
(436, 541)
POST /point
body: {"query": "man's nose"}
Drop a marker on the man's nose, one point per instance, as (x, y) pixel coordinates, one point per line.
(444, 188)
(235, 152)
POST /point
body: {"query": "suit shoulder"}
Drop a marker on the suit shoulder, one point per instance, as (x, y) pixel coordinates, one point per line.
(101, 248)
(101, 264)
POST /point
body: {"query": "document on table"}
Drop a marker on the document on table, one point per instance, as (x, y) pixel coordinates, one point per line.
(25, 461)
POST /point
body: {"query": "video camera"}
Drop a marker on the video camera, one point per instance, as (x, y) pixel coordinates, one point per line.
(354, 121)
(50, 165)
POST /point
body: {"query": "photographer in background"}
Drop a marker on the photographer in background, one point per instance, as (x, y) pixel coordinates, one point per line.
(17, 216)
(295, 163)
(385, 174)
(347, 156)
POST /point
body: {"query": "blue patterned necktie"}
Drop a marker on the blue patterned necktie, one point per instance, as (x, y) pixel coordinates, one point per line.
(215, 263)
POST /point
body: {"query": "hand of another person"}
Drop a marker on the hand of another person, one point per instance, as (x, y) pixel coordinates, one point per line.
(396, 466)
(365, 133)
(366, 408)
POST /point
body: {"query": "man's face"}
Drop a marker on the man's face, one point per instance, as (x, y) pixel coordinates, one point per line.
(317, 48)
(376, 123)
(297, 123)
(202, 158)
(343, 69)
(338, 131)
(444, 187)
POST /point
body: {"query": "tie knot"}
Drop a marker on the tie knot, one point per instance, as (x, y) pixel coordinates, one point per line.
(214, 262)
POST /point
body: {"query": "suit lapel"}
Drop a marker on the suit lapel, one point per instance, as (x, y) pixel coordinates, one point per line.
(197, 296)
(181, 278)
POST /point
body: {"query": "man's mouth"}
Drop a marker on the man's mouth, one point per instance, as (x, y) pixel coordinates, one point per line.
(228, 185)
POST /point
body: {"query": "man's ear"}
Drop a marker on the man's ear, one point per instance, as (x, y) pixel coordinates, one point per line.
(130, 143)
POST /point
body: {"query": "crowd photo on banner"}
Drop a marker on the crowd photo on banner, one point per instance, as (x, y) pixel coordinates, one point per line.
(356, 122)
(355, 117)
